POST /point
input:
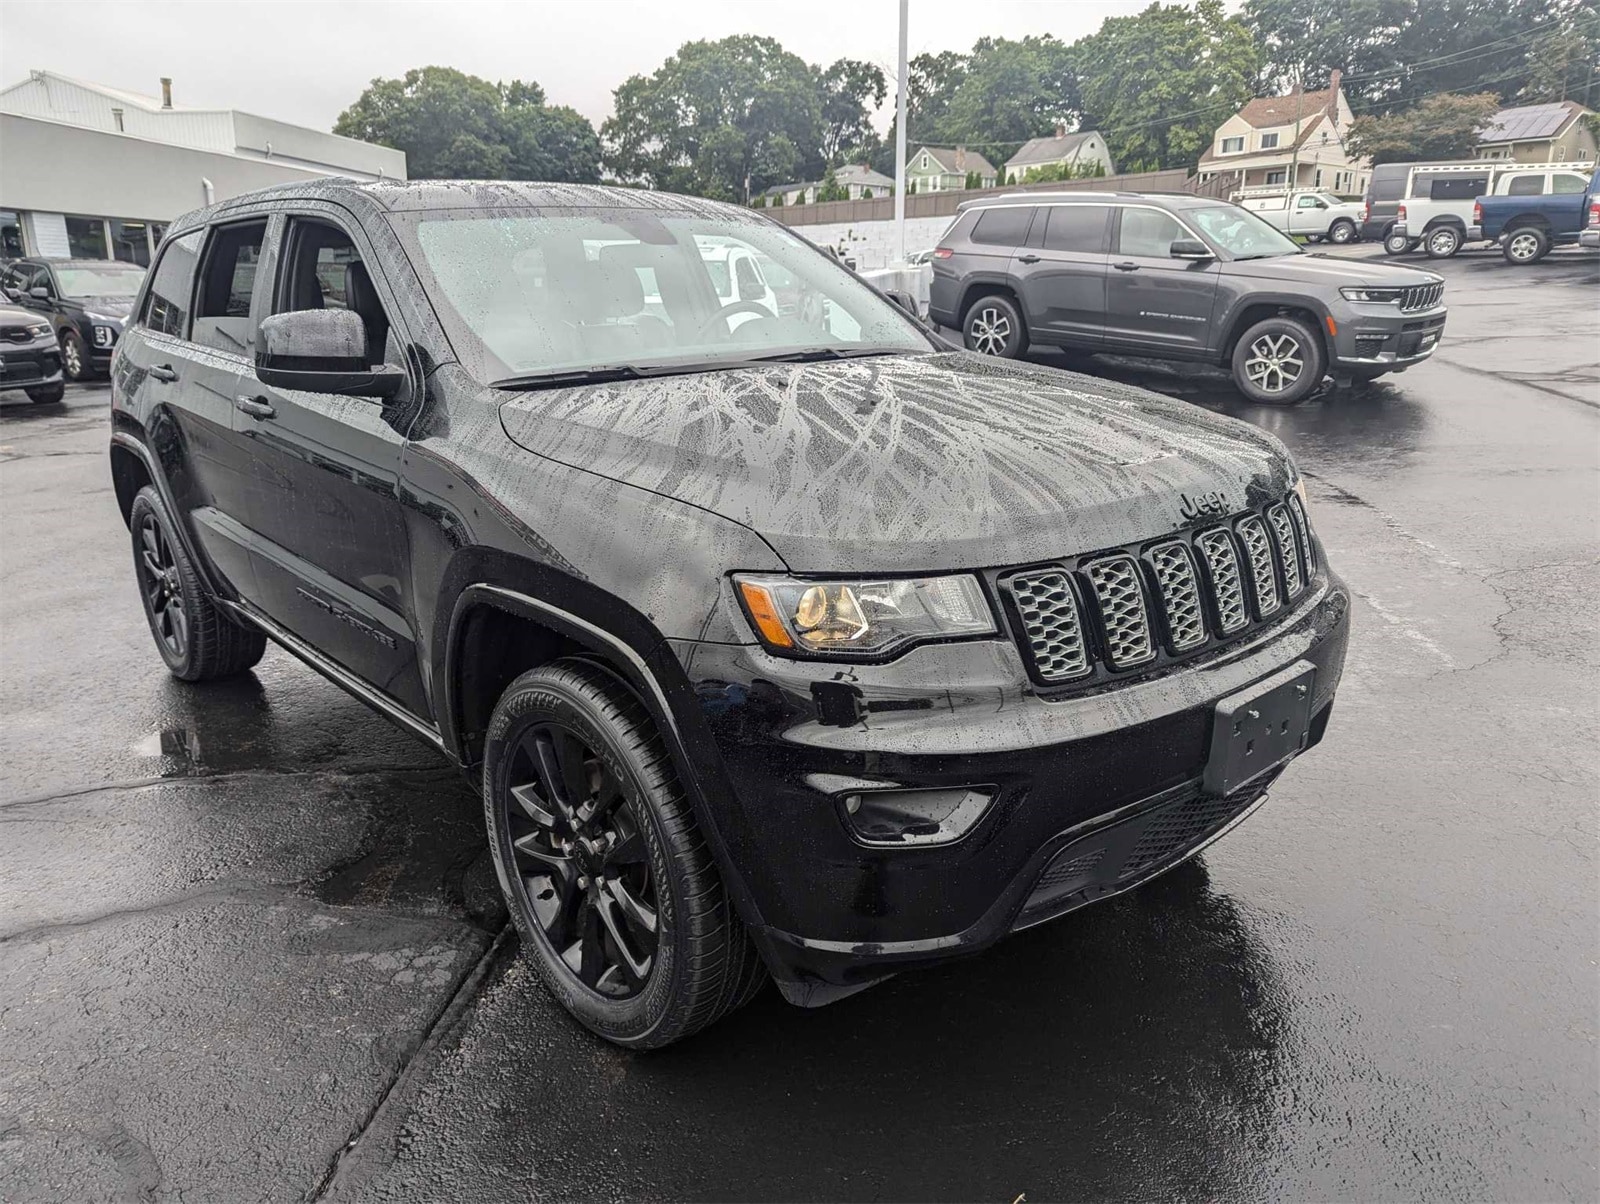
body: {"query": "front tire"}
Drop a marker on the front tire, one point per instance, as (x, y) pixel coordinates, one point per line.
(1526, 244)
(1396, 244)
(75, 360)
(197, 641)
(1342, 232)
(1278, 361)
(994, 326)
(605, 873)
(1442, 242)
(46, 394)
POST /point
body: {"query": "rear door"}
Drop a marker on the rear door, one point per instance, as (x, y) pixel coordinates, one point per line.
(997, 234)
(1153, 300)
(323, 501)
(180, 386)
(1061, 273)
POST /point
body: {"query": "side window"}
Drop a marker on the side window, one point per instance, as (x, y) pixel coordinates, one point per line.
(1422, 184)
(1148, 232)
(322, 269)
(1003, 226)
(1076, 228)
(166, 304)
(1458, 188)
(1526, 186)
(227, 278)
(1566, 184)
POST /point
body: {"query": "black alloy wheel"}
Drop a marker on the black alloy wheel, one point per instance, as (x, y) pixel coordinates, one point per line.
(75, 356)
(582, 864)
(163, 588)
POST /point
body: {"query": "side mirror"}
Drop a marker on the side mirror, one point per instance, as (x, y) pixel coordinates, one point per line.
(39, 293)
(321, 351)
(904, 300)
(1189, 248)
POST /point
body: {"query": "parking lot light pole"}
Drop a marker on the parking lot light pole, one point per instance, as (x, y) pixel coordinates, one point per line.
(900, 144)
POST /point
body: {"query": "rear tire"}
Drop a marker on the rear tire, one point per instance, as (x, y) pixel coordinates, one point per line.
(606, 875)
(1525, 245)
(196, 639)
(46, 394)
(1342, 232)
(1396, 244)
(1278, 361)
(994, 326)
(1442, 242)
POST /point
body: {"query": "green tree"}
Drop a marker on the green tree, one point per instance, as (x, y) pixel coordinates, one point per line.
(831, 189)
(777, 200)
(1440, 127)
(866, 194)
(1565, 65)
(451, 124)
(1012, 91)
(1157, 84)
(717, 118)
(848, 93)
(973, 180)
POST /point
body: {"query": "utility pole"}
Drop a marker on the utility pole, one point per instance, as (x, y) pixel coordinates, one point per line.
(900, 143)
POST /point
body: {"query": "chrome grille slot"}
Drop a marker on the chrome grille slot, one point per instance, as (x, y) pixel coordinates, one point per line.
(1049, 615)
(1258, 552)
(1288, 554)
(1421, 296)
(1121, 600)
(1227, 590)
(1297, 511)
(1180, 595)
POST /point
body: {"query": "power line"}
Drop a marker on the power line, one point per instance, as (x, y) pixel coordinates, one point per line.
(1456, 57)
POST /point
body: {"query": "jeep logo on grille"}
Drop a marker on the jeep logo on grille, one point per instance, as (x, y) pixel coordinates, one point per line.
(1199, 505)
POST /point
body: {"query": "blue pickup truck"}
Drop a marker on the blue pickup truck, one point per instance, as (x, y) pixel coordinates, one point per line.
(1535, 210)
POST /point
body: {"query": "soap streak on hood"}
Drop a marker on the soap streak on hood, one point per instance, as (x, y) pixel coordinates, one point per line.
(941, 461)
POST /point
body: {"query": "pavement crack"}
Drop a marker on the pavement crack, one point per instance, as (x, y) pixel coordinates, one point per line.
(444, 1022)
(223, 776)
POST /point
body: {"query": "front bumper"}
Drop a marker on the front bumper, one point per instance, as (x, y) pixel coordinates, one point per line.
(1382, 336)
(1065, 777)
(29, 365)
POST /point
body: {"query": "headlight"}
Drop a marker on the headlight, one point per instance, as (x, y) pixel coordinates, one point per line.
(39, 331)
(862, 618)
(1382, 296)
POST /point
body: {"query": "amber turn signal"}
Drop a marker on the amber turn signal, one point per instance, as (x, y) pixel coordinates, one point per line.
(764, 613)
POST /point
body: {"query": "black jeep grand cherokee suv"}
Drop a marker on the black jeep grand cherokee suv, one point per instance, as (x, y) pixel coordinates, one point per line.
(781, 643)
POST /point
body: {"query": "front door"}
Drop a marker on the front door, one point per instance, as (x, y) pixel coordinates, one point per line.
(323, 502)
(1154, 301)
(1062, 274)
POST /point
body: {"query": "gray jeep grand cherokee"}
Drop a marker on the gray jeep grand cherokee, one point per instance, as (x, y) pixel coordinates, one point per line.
(1182, 278)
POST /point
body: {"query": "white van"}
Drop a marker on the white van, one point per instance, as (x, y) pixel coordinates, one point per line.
(1310, 212)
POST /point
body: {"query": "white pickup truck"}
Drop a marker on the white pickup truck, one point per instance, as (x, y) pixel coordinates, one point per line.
(1436, 207)
(1311, 213)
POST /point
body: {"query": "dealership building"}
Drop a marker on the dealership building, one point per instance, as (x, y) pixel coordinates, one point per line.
(92, 172)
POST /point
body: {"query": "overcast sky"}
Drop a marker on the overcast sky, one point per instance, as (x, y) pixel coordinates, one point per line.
(306, 61)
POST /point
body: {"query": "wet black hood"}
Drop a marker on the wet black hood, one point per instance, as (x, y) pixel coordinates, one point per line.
(111, 307)
(941, 461)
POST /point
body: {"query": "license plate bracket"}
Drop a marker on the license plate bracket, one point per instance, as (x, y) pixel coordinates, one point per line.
(1260, 728)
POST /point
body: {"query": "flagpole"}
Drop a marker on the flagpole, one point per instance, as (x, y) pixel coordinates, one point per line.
(900, 143)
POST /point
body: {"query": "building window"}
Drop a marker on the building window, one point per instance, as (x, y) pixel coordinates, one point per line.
(10, 236)
(130, 241)
(1232, 145)
(86, 238)
(1317, 182)
(1269, 142)
(1278, 175)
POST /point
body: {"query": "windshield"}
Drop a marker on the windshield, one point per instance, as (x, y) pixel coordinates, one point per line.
(105, 281)
(1241, 233)
(527, 292)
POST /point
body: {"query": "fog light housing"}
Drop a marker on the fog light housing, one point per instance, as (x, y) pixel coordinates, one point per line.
(896, 818)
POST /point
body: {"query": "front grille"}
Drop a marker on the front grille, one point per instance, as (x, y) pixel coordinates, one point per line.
(1049, 615)
(1064, 869)
(1227, 588)
(15, 334)
(1122, 615)
(1180, 595)
(1288, 554)
(1421, 296)
(1112, 612)
(1258, 554)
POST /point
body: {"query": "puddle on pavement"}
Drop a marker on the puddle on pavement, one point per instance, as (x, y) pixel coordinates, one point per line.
(179, 744)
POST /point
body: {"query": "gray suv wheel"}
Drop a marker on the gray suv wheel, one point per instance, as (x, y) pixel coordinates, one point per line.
(994, 326)
(1278, 361)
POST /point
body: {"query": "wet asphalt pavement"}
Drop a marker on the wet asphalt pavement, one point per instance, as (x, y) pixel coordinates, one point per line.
(251, 947)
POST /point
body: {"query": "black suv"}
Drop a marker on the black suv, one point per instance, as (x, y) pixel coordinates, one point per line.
(1182, 278)
(86, 302)
(789, 643)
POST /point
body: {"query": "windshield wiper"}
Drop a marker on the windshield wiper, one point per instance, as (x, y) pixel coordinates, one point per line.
(810, 355)
(599, 375)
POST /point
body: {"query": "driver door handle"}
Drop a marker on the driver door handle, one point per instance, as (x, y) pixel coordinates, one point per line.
(256, 407)
(163, 372)
(1027, 259)
(1126, 266)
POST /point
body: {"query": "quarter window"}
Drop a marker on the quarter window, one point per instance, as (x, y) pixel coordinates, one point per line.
(166, 305)
(1148, 232)
(222, 312)
(1076, 228)
(1005, 226)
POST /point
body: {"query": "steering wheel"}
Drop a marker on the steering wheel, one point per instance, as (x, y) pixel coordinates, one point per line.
(729, 310)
